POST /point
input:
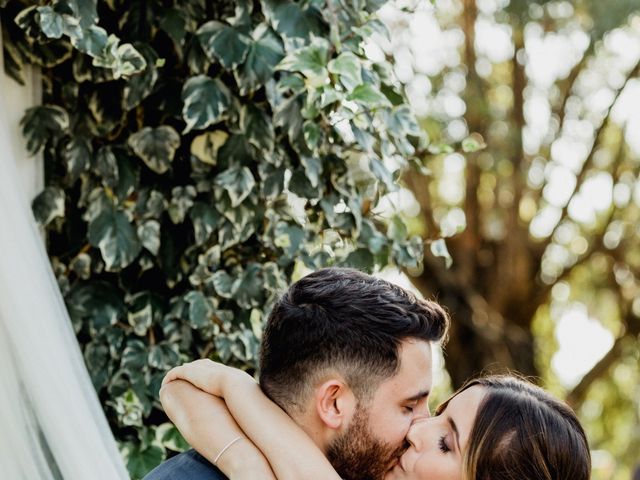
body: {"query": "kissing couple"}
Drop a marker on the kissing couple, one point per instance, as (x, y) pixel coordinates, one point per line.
(344, 382)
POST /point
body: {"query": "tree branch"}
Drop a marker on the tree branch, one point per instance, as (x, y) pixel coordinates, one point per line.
(570, 82)
(589, 160)
(596, 245)
(577, 396)
(630, 328)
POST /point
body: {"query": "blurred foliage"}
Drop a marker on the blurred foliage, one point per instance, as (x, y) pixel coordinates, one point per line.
(195, 153)
(545, 221)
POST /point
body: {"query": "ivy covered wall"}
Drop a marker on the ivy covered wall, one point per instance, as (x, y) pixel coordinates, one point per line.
(198, 153)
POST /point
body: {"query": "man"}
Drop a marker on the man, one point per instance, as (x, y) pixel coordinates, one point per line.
(348, 356)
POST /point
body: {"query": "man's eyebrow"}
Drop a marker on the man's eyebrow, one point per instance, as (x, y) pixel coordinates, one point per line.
(418, 396)
(456, 435)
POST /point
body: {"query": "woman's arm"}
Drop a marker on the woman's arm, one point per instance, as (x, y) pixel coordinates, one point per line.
(289, 450)
(208, 426)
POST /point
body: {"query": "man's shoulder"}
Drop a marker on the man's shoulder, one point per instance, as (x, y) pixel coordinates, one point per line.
(189, 465)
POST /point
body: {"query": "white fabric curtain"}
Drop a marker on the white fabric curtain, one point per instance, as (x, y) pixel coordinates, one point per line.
(51, 423)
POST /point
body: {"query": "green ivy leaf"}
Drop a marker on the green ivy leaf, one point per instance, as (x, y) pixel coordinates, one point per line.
(173, 22)
(141, 320)
(128, 176)
(224, 43)
(361, 259)
(313, 169)
(128, 61)
(49, 204)
(141, 86)
(205, 147)
(382, 173)
(473, 143)
(243, 11)
(347, 67)
(369, 96)
(141, 461)
(54, 24)
(223, 284)
(235, 150)
(123, 60)
(265, 52)
(292, 21)
(397, 229)
(149, 235)
(312, 134)
(164, 356)
(238, 182)
(249, 289)
(257, 127)
(200, 309)
(289, 116)
(310, 60)
(155, 146)
(134, 356)
(106, 166)
(181, 201)
(439, 249)
(86, 11)
(272, 184)
(96, 357)
(169, 436)
(289, 237)
(206, 101)
(205, 219)
(370, 236)
(42, 123)
(77, 154)
(97, 303)
(301, 185)
(116, 238)
(401, 122)
(81, 266)
(93, 41)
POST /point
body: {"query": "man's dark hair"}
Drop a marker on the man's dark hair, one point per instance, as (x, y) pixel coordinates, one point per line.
(343, 320)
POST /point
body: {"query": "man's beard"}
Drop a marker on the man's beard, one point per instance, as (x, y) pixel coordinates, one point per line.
(358, 455)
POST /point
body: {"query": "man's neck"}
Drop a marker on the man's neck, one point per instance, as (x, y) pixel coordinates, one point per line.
(313, 427)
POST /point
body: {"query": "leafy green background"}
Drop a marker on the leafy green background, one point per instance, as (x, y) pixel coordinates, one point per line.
(200, 154)
(197, 154)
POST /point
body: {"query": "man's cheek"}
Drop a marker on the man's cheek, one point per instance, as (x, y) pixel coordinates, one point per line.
(402, 428)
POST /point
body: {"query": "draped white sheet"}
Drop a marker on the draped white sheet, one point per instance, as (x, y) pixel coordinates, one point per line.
(51, 423)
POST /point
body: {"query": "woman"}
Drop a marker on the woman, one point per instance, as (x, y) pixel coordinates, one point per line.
(493, 428)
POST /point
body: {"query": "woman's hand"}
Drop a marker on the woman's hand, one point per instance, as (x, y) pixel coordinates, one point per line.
(207, 425)
(263, 422)
(207, 375)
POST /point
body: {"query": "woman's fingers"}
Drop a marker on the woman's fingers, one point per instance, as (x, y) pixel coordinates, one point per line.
(173, 374)
(191, 371)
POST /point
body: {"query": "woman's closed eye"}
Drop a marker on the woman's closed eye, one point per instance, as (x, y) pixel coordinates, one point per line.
(442, 444)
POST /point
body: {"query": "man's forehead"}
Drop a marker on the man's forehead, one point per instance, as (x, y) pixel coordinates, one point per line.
(414, 377)
(416, 358)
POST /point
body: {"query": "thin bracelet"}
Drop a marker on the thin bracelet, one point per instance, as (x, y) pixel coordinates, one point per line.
(227, 448)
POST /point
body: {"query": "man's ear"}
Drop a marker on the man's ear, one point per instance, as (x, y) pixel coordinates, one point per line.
(335, 403)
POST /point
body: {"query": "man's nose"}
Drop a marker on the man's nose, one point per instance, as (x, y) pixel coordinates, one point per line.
(414, 435)
(420, 417)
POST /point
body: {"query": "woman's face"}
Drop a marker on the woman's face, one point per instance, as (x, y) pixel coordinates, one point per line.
(438, 444)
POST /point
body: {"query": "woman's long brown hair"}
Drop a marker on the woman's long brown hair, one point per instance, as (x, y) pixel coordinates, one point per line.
(522, 432)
